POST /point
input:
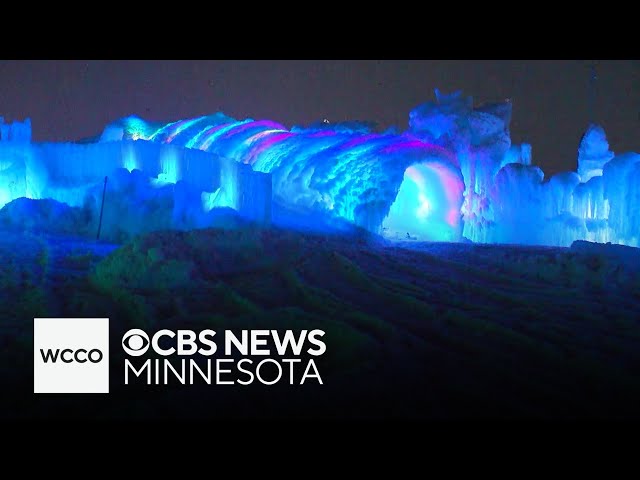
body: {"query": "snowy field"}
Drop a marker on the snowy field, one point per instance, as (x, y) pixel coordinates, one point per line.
(414, 330)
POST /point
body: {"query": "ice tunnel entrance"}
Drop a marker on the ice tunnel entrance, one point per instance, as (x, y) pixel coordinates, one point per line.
(427, 207)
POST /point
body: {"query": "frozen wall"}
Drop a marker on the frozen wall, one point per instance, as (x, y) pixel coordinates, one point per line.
(74, 174)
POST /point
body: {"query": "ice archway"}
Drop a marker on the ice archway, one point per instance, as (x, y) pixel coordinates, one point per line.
(427, 206)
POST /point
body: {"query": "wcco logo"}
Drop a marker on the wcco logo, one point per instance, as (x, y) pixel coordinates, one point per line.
(71, 355)
(81, 355)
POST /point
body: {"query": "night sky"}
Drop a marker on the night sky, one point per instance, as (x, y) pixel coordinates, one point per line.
(70, 100)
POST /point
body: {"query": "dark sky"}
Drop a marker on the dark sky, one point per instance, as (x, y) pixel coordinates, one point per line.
(69, 100)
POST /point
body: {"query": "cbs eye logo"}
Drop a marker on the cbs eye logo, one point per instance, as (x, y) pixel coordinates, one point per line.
(135, 342)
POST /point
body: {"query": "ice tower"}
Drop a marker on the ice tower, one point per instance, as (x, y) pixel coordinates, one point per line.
(593, 153)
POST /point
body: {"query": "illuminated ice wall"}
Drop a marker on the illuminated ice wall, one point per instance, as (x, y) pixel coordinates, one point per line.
(150, 185)
(342, 170)
(452, 175)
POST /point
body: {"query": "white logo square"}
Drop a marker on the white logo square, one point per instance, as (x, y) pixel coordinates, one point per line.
(71, 355)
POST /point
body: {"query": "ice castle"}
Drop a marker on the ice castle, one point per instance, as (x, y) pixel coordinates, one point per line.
(453, 175)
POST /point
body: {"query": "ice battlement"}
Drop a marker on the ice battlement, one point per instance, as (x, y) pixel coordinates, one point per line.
(16, 131)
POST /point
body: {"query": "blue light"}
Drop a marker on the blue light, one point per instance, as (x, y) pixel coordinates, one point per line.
(426, 207)
(453, 174)
(170, 165)
(129, 157)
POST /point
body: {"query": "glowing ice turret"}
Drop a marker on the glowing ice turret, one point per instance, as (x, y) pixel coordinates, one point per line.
(593, 153)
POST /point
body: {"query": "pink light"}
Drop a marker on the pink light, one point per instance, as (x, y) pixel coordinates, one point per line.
(266, 144)
(428, 149)
(453, 217)
(452, 186)
(268, 124)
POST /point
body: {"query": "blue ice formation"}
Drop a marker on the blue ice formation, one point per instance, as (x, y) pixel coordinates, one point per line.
(593, 153)
(330, 170)
(453, 175)
(150, 185)
(428, 183)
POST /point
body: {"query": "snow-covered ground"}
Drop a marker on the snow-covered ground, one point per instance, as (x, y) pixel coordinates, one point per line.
(415, 330)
